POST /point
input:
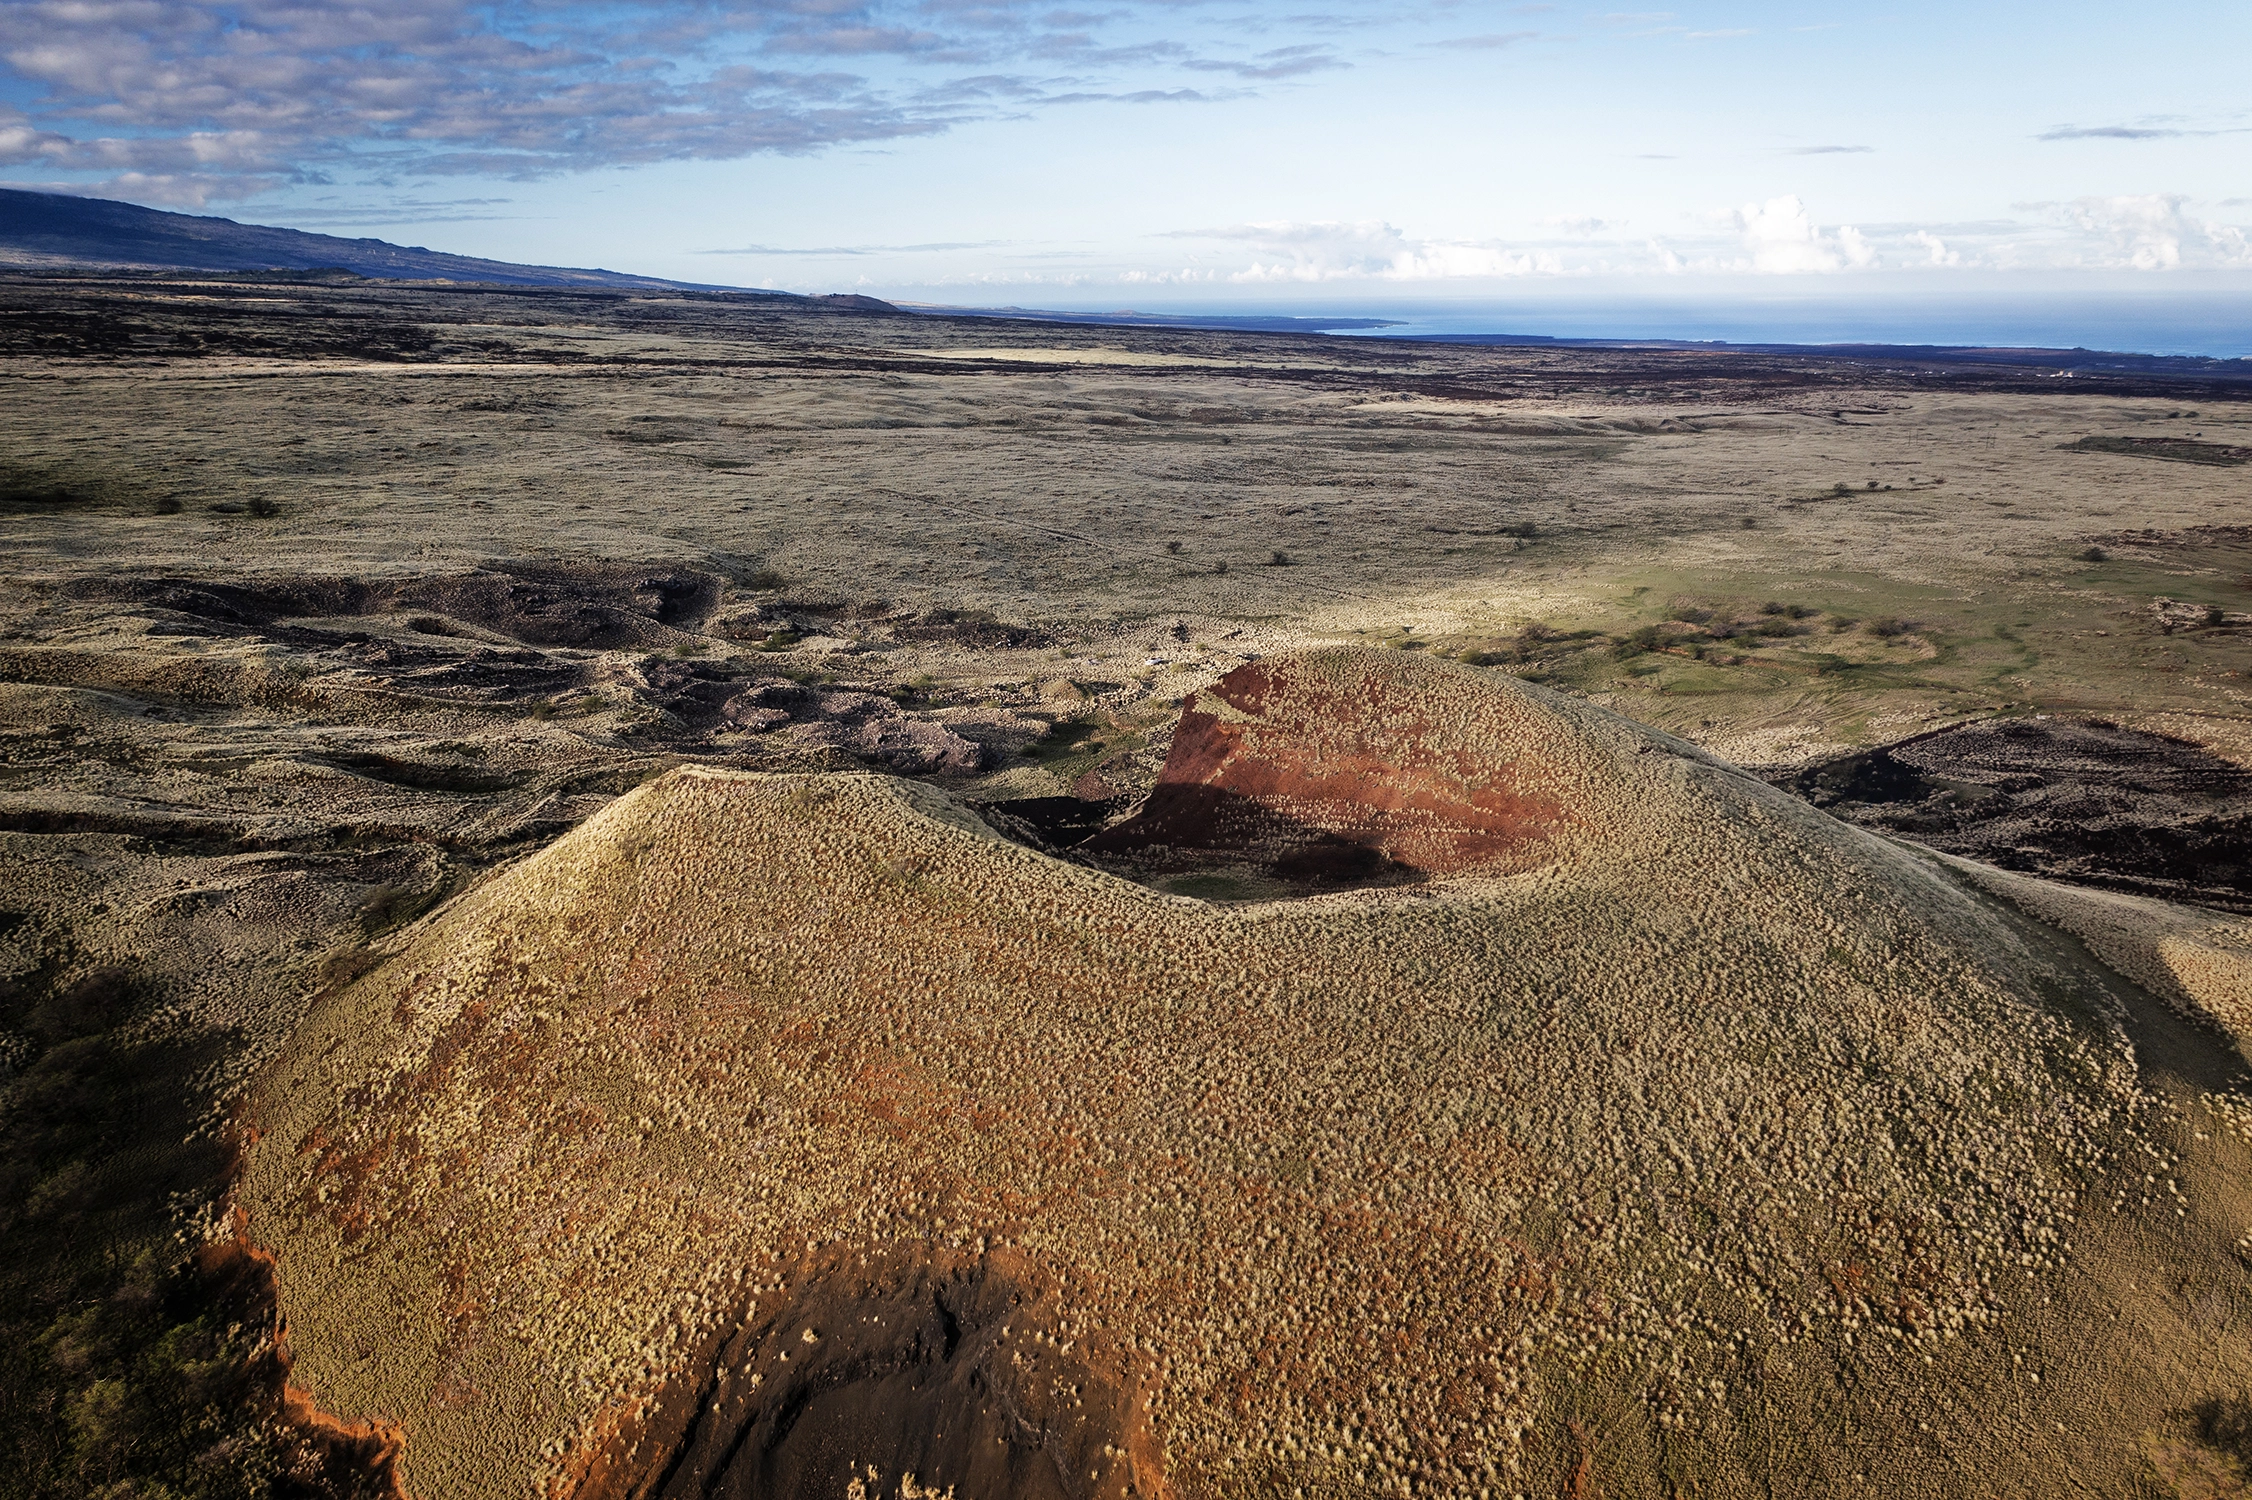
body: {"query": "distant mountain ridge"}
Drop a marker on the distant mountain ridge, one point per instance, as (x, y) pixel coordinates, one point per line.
(41, 231)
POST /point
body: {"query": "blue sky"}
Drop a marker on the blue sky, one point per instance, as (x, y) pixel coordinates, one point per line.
(983, 151)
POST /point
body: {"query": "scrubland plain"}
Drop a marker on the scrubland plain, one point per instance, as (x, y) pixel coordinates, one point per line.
(581, 845)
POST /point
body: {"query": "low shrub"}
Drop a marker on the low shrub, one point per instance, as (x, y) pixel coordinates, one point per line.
(1634, 644)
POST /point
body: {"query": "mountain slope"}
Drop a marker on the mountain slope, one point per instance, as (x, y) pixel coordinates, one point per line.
(56, 230)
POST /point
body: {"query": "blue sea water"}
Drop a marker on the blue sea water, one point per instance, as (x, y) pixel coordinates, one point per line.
(2215, 324)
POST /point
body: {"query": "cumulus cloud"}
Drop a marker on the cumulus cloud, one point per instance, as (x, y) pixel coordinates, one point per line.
(24, 144)
(2152, 232)
(1935, 248)
(1781, 238)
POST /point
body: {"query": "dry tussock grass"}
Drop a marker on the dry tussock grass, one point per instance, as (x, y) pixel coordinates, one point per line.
(1741, 1139)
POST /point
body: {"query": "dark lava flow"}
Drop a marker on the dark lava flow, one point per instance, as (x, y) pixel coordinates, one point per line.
(2077, 800)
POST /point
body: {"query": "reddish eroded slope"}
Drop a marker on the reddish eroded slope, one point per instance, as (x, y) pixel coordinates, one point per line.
(1340, 766)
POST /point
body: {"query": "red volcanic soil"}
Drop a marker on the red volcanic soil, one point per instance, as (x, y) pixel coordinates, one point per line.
(1333, 769)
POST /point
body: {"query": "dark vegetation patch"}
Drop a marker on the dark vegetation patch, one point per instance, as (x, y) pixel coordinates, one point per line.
(1536, 645)
(872, 1370)
(659, 429)
(46, 490)
(32, 496)
(2084, 801)
(1051, 823)
(93, 320)
(972, 627)
(2177, 449)
(421, 775)
(596, 606)
(160, 828)
(1068, 740)
(128, 1366)
(1713, 633)
(2224, 1424)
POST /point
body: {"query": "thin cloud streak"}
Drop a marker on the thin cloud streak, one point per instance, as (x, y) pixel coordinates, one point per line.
(2109, 133)
(1492, 40)
(935, 245)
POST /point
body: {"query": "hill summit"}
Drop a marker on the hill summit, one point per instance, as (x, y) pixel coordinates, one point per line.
(1641, 1130)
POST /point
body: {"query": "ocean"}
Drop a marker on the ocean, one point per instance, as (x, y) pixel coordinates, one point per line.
(2213, 323)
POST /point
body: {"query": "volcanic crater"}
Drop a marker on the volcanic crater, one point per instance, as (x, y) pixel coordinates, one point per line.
(797, 1134)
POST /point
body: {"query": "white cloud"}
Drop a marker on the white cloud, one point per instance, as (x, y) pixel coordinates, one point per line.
(1370, 251)
(167, 189)
(1489, 41)
(1937, 248)
(1782, 239)
(2151, 232)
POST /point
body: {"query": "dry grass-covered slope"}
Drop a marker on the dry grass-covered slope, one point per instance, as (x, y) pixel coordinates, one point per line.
(796, 1134)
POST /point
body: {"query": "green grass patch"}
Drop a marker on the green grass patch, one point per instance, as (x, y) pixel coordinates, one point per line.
(1210, 887)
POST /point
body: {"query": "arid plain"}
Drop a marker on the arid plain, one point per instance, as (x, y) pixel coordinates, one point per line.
(335, 613)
